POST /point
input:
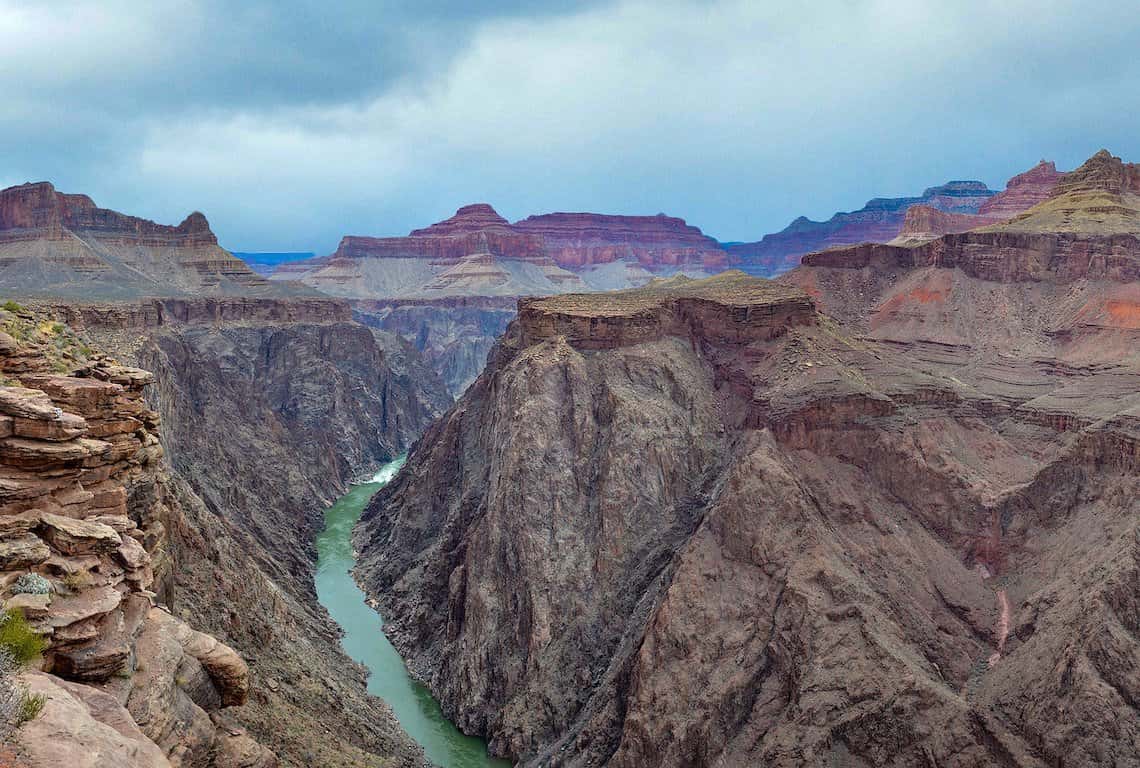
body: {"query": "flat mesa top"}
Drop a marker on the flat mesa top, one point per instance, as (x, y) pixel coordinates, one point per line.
(732, 288)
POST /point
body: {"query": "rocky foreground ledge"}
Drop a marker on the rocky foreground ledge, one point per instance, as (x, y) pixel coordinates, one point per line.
(84, 511)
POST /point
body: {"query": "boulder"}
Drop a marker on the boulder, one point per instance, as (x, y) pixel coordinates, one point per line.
(81, 727)
(78, 537)
(24, 551)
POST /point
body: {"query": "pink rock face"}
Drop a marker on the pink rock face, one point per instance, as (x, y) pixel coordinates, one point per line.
(572, 240)
(925, 223)
(1023, 191)
(581, 239)
(32, 211)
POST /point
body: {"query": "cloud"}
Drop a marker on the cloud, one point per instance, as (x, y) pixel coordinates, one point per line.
(289, 125)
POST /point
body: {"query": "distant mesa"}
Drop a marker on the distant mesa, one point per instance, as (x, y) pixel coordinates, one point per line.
(477, 252)
(56, 244)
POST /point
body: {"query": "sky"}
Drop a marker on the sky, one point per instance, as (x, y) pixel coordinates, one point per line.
(291, 123)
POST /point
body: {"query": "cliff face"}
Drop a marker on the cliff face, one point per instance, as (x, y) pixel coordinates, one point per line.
(269, 410)
(87, 507)
(453, 336)
(702, 524)
(55, 244)
(577, 240)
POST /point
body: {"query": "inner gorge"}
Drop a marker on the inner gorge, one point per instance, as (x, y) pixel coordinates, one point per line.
(417, 711)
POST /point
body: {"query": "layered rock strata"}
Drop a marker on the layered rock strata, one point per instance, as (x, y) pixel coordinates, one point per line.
(55, 244)
(85, 503)
(704, 524)
(476, 252)
(268, 412)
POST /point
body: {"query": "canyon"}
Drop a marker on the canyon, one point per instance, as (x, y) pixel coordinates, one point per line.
(878, 511)
(881, 511)
(255, 404)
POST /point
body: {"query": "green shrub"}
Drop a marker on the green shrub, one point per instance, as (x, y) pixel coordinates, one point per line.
(12, 306)
(30, 707)
(19, 639)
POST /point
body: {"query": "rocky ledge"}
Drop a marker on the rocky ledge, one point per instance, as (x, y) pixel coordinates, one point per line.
(729, 307)
(84, 514)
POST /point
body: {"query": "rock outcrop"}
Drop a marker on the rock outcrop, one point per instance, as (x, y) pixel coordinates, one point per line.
(85, 499)
(1022, 192)
(705, 524)
(55, 244)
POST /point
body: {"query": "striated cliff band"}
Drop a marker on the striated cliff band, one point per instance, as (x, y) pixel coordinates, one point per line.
(882, 512)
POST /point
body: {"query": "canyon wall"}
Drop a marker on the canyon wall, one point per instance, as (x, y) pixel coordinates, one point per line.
(270, 408)
(88, 509)
(453, 336)
(703, 524)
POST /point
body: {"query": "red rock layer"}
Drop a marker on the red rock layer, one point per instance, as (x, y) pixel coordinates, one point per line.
(581, 239)
(572, 240)
(31, 211)
(1005, 257)
(1023, 191)
(473, 229)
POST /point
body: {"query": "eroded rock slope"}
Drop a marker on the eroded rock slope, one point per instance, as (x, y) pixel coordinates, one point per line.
(703, 523)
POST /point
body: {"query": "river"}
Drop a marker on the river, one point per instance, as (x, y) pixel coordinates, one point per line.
(363, 640)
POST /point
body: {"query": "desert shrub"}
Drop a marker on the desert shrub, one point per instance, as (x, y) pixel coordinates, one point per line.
(31, 584)
(76, 582)
(12, 306)
(31, 704)
(18, 639)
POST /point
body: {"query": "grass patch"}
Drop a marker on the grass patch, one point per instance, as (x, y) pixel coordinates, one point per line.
(19, 639)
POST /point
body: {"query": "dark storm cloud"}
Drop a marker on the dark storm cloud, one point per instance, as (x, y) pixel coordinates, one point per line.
(290, 124)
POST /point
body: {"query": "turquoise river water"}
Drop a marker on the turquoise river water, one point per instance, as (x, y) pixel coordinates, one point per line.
(363, 640)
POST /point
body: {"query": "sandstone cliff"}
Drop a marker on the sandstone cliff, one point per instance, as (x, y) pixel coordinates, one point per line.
(703, 524)
(87, 508)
